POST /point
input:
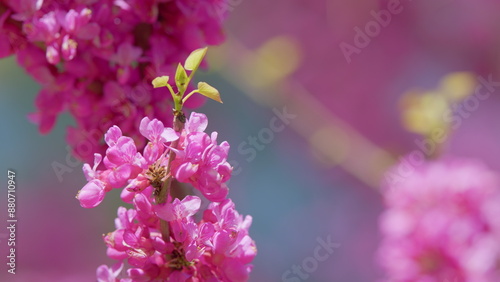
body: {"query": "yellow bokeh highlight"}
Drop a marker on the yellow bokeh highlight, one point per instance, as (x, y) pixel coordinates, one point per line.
(273, 61)
(423, 111)
(457, 86)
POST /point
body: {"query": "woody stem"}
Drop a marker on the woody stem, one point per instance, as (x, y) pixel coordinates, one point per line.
(161, 198)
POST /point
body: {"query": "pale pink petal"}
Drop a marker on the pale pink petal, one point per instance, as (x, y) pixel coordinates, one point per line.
(112, 136)
(91, 194)
(68, 48)
(197, 122)
(119, 176)
(169, 134)
(185, 170)
(52, 55)
(191, 205)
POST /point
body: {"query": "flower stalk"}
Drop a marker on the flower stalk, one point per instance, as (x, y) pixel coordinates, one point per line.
(165, 190)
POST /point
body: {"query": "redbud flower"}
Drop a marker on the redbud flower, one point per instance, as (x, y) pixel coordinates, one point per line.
(216, 248)
(202, 162)
(95, 59)
(159, 238)
(109, 274)
(195, 250)
(199, 161)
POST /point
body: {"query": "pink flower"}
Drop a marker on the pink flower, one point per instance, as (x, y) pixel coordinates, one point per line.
(68, 48)
(45, 28)
(440, 225)
(196, 250)
(197, 122)
(201, 161)
(92, 194)
(178, 210)
(109, 274)
(217, 248)
(233, 248)
(94, 43)
(124, 162)
(157, 134)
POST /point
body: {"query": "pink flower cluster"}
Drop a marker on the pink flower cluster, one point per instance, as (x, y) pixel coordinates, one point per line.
(442, 224)
(217, 248)
(199, 161)
(96, 59)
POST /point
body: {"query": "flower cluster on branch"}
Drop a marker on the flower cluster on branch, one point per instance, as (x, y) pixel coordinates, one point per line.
(159, 239)
(95, 59)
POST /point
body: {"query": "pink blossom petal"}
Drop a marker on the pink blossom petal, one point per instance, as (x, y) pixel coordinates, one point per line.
(67, 19)
(236, 271)
(178, 230)
(68, 48)
(137, 274)
(169, 134)
(194, 251)
(185, 170)
(137, 257)
(143, 126)
(104, 274)
(109, 274)
(219, 195)
(223, 240)
(129, 239)
(91, 194)
(166, 211)
(197, 122)
(52, 55)
(111, 137)
(127, 196)
(116, 254)
(178, 209)
(119, 176)
(191, 205)
(143, 206)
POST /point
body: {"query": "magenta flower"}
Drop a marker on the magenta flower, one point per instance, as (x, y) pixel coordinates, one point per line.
(109, 274)
(442, 224)
(162, 240)
(202, 162)
(95, 59)
(157, 134)
(92, 193)
(178, 210)
(194, 250)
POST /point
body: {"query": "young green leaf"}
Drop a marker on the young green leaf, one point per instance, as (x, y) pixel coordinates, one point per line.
(181, 79)
(160, 81)
(193, 61)
(208, 91)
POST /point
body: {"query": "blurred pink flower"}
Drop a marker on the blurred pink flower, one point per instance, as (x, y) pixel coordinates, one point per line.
(442, 224)
(75, 49)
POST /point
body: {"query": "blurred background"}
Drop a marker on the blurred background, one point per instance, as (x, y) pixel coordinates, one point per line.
(320, 99)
